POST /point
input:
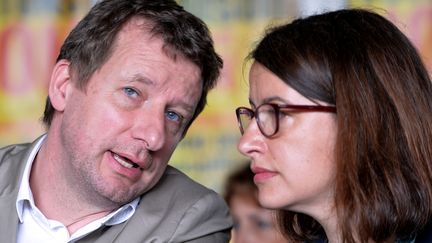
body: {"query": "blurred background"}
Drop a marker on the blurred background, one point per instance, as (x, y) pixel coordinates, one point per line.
(32, 31)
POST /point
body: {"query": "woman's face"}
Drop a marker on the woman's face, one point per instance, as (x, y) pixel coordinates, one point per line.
(252, 223)
(295, 168)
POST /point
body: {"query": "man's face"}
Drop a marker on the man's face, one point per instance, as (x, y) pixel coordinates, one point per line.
(117, 136)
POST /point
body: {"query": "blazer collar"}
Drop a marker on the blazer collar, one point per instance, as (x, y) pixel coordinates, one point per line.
(12, 163)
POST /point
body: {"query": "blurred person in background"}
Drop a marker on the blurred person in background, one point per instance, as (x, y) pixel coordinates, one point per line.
(130, 79)
(252, 223)
(339, 132)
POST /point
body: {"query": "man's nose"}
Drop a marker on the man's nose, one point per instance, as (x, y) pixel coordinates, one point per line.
(149, 127)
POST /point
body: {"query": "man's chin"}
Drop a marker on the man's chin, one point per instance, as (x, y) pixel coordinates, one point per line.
(117, 193)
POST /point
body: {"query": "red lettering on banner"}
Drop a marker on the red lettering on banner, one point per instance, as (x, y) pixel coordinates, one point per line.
(16, 33)
(53, 43)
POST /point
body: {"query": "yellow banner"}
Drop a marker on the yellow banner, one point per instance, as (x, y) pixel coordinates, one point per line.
(414, 18)
(31, 33)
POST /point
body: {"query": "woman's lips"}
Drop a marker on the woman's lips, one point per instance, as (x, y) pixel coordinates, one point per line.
(262, 174)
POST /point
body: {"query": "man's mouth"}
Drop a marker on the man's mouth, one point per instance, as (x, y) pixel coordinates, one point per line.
(125, 162)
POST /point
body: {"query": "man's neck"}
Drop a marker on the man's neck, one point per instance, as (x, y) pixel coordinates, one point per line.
(55, 199)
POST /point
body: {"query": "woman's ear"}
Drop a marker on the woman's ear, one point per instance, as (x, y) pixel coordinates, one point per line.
(59, 84)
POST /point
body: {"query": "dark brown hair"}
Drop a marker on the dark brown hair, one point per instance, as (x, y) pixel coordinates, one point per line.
(91, 42)
(240, 183)
(364, 65)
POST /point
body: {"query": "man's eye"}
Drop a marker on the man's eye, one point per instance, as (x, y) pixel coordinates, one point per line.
(130, 92)
(173, 116)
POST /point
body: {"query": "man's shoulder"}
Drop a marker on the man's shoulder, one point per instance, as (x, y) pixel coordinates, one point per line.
(12, 155)
(186, 209)
(12, 162)
(177, 189)
(174, 179)
(12, 150)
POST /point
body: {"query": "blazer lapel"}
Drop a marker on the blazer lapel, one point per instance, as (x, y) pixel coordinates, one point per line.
(8, 218)
(12, 163)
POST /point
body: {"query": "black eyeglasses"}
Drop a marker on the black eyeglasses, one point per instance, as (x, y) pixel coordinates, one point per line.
(267, 115)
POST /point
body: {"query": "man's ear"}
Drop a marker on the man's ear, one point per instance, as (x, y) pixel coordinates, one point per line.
(60, 84)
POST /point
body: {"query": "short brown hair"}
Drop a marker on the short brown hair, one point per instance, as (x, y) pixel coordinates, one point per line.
(240, 183)
(90, 43)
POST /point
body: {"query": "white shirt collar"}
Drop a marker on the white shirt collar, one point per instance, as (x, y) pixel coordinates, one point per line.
(24, 194)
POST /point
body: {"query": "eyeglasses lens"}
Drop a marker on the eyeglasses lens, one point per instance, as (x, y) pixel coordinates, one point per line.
(267, 119)
(245, 117)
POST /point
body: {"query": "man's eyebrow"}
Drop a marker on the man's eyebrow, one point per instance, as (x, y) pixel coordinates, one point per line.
(141, 79)
(186, 107)
(190, 108)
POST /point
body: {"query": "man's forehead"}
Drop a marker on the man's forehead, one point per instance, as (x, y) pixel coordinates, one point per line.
(148, 28)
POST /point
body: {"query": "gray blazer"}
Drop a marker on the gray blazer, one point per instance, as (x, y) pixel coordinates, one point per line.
(177, 209)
